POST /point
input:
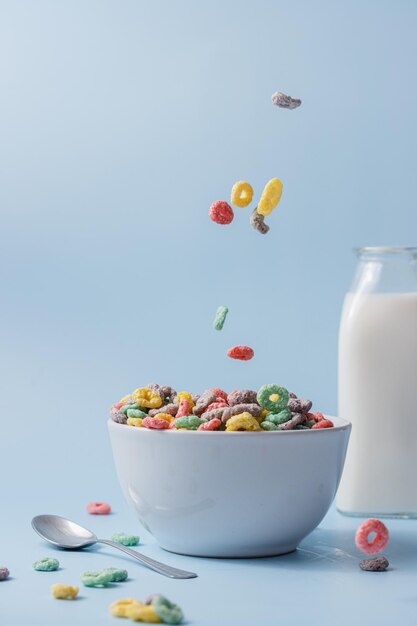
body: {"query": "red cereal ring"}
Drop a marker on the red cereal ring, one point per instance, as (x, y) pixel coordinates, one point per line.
(211, 424)
(323, 423)
(215, 405)
(98, 508)
(219, 393)
(221, 212)
(242, 353)
(117, 406)
(155, 423)
(378, 543)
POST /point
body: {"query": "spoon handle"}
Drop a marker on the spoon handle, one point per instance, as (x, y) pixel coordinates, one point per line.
(166, 570)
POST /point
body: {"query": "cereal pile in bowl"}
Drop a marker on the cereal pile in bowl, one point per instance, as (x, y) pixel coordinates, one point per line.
(271, 408)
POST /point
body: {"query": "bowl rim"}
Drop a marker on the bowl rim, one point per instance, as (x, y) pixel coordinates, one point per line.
(343, 424)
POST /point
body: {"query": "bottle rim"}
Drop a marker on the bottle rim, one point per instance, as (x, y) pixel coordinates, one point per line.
(377, 250)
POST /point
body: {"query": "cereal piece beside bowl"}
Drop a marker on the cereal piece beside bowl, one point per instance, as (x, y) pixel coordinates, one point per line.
(229, 494)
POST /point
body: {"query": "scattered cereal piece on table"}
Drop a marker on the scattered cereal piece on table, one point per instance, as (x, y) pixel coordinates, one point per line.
(167, 611)
(98, 508)
(64, 592)
(46, 565)
(125, 539)
(376, 564)
(220, 317)
(379, 541)
(117, 575)
(242, 194)
(257, 221)
(96, 579)
(285, 102)
(143, 613)
(241, 353)
(4, 573)
(221, 212)
(270, 197)
(120, 608)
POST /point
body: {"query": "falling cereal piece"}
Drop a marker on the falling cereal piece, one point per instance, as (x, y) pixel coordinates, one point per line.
(285, 102)
(257, 221)
(373, 527)
(220, 317)
(241, 353)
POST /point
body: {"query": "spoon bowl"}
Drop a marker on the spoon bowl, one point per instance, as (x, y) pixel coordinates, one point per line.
(66, 534)
(62, 532)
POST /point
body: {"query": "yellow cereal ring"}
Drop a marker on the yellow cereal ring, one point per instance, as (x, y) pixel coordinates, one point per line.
(147, 398)
(126, 399)
(243, 421)
(270, 197)
(144, 613)
(163, 416)
(134, 421)
(184, 395)
(242, 194)
(64, 592)
(120, 608)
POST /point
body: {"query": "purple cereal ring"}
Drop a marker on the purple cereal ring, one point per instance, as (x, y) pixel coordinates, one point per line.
(252, 408)
(245, 396)
(207, 398)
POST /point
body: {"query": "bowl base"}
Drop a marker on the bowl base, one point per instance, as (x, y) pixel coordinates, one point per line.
(233, 554)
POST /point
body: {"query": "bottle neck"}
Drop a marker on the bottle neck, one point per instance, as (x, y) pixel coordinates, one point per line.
(386, 270)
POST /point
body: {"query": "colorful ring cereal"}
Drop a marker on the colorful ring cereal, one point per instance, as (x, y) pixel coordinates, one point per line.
(46, 565)
(117, 575)
(378, 543)
(257, 221)
(143, 613)
(296, 420)
(4, 573)
(120, 608)
(167, 611)
(267, 425)
(134, 421)
(273, 398)
(213, 424)
(244, 421)
(244, 396)
(375, 564)
(220, 317)
(125, 540)
(149, 398)
(136, 413)
(206, 398)
(184, 395)
(220, 394)
(98, 508)
(64, 592)
(280, 418)
(221, 212)
(270, 197)
(189, 422)
(323, 424)
(242, 194)
(241, 353)
(155, 423)
(96, 579)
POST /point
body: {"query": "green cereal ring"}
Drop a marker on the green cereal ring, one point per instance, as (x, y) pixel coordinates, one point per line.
(190, 422)
(310, 423)
(267, 425)
(46, 565)
(273, 398)
(220, 318)
(125, 540)
(279, 418)
(117, 575)
(136, 413)
(126, 407)
(96, 579)
(167, 611)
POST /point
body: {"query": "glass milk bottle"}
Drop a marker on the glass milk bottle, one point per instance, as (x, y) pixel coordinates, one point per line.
(378, 385)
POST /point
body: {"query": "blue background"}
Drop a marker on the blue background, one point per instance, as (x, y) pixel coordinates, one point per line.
(120, 122)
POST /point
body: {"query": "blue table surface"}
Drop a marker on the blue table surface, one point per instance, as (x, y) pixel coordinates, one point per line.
(319, 584)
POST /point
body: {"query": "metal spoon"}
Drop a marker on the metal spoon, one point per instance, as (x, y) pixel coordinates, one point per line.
(66, 534)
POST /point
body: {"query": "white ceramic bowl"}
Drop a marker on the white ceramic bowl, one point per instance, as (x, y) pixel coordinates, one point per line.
(229, 494)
